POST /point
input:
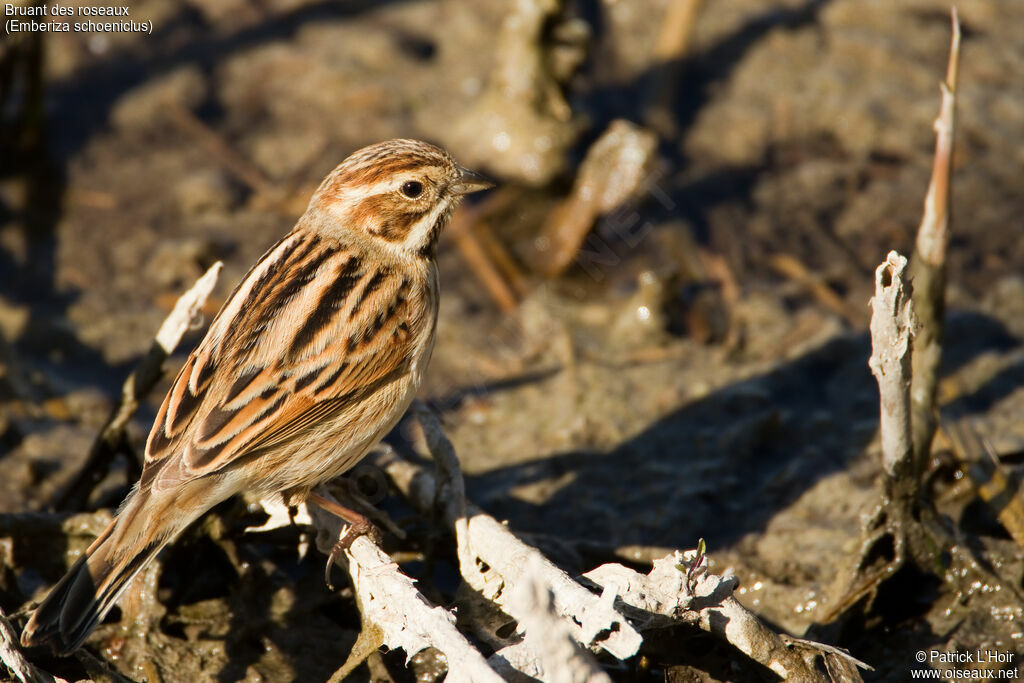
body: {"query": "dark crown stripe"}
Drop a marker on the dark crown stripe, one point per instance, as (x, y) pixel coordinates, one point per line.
(373, 170)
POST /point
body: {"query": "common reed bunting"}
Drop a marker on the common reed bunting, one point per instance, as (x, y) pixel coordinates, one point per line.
(313, 359)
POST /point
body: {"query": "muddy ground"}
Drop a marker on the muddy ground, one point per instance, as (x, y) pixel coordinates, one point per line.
(642, 398)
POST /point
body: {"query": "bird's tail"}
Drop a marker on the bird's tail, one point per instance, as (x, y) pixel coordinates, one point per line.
(80, 600)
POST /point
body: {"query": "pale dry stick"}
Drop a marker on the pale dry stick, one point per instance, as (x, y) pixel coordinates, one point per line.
(389, 602)
(615, 171)
(503, 261)
(11, 657)
(671, 48)
(592, 618)
(892, 331)
(186, 313)
(549, 652)
(928, 266)
(677, 30)
(480, 264)
(792, 268)
(669, 594)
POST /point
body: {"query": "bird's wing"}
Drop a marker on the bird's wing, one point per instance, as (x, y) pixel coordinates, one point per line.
(312, 328)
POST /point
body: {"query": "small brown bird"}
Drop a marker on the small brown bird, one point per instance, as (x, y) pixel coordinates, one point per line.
(314, 358)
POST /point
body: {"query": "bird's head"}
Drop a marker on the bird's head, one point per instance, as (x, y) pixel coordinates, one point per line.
(399, 194)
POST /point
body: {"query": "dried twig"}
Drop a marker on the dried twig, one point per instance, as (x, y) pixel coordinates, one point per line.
(485, 542)
(393, 608)
(794, 269)
(613, 172)
(928, 266)
(503, 261)
(673, 592)
(140, 382)
(475, 256)
(670, 50)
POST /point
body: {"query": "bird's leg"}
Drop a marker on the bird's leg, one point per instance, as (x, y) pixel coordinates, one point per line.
(358, 525)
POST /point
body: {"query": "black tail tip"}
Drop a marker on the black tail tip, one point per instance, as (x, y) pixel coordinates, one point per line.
(36, 634)
(33, 636)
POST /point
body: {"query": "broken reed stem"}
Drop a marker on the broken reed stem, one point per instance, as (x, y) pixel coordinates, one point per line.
(112, 439)
(480, 264)
(928, 267)
(892, 325)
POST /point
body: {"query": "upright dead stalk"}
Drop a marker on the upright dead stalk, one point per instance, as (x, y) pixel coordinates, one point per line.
(928, 266)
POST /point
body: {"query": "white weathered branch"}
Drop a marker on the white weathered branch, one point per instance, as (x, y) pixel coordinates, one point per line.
(549, 650)
(668, 594)
(388, 600)
(492, 558)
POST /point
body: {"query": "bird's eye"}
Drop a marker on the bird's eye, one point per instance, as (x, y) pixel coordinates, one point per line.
(412, 189)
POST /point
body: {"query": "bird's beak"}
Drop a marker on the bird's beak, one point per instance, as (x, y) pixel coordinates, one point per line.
(469, 181)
